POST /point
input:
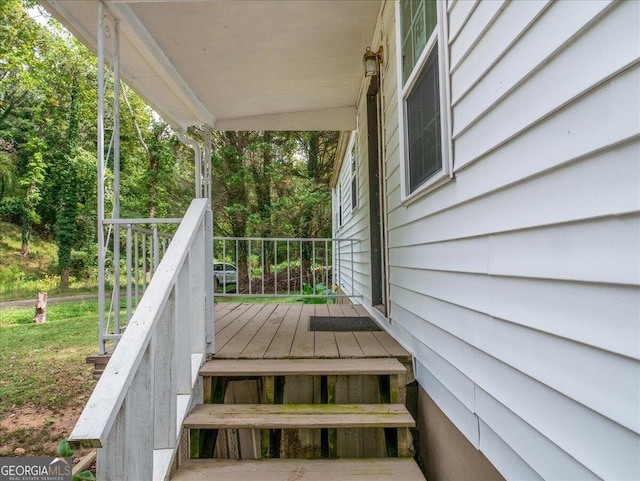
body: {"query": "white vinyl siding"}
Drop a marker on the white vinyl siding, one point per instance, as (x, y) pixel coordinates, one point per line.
(354, 224)
(517, 286)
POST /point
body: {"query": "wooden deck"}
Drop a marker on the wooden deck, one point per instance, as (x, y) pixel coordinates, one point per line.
(281, 331)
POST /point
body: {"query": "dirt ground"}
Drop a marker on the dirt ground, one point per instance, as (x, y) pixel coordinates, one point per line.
(28, 431)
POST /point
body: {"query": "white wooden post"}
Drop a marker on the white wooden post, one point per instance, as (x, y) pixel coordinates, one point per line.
(139, 416)
(110, 459)
(197, 291)
(165, 381)
(208, 282)
(182, 335)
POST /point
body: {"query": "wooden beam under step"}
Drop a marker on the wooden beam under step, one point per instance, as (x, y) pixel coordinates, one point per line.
(302, 367)
(384, 469)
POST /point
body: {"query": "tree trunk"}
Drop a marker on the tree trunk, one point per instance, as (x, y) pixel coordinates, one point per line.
(41, 308)
(26, 235)
(64, 279)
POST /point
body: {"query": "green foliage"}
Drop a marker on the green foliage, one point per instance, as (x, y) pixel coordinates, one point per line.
(12, 208)
(22, 277)
(320, 289)
(65, 451)
(10, 278)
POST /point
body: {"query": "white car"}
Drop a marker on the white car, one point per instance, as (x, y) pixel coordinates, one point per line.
(224, 274)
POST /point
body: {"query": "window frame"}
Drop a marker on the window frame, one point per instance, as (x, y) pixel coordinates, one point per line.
(437, 39)
(352, 157)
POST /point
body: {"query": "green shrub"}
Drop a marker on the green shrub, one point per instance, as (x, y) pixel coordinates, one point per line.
(321, 289)
(10, 278)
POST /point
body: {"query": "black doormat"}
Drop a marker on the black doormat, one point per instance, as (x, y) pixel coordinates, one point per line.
(330, 323)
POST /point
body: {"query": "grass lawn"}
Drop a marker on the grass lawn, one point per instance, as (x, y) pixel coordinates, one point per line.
(44, 380)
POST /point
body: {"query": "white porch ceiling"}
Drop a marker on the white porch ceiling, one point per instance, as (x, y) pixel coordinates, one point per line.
(238, 64)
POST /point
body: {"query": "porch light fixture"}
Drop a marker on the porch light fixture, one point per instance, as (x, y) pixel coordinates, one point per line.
(372, 61)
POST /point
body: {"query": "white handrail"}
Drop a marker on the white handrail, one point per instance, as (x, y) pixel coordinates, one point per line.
(134, 407)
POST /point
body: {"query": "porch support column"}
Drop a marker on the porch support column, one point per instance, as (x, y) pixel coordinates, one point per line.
(116, 177)
(197, 160)
(208, 248)
(207, 162)
(100, 156)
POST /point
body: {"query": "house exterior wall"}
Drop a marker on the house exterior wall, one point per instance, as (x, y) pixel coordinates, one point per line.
(516, 283)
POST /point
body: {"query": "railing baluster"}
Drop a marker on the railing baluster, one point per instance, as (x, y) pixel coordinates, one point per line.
(326, 265)
(129, 287)
(275, 266)
(352, 276)
(137, 264)
(237, 266)
(288, 270)
(144, 262)
(313, 264)
(262, 263)
(156, 249)
(249, 263)
(224, 264)
(115, 298)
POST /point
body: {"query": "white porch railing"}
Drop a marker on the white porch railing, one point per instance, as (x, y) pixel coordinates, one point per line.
(135, 413)
(284, 267)
(143, 250)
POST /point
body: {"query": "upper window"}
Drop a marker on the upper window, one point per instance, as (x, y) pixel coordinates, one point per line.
(418, 21)
(422, 96)
(354, 178)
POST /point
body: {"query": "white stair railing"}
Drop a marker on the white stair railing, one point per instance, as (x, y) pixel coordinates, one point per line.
(135, 413)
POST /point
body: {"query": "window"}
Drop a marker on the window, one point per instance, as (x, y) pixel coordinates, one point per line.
(424, 123)
(418, 21)
(354, 178)
(424, 138)
(339, 206)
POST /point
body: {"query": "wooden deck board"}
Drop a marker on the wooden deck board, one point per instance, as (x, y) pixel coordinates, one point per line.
(384, 469)
(325, 345)
(390, 344)
(348, 345)
(298, 416)
(302, 367)
(280, 346)
(335, 310)
(240, 341)
(258, 347)
(230, 330)
(348, 310)
(230, 315)
(370, 345)
(304, 340)
(268, 331)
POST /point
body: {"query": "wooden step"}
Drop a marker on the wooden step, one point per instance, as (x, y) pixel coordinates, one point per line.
(308, 367)
(383, 469)
(298, 416)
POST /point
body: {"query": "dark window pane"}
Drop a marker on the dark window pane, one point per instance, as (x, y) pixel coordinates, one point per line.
(354, 193)
(423, 119)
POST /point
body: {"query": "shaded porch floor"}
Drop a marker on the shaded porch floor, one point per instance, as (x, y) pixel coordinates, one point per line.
(281, 331)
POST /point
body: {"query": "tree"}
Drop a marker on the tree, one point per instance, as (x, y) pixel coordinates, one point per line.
(66, 222)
